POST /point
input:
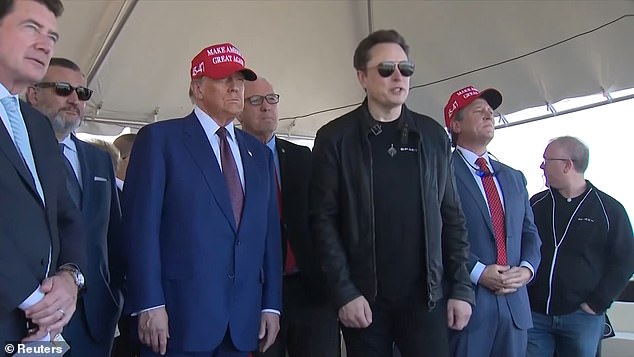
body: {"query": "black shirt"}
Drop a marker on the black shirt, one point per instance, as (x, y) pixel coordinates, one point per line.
(399, 237)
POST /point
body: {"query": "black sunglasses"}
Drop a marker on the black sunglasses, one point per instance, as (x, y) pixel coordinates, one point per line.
(387, 68)
(64, 89)
(258, 99)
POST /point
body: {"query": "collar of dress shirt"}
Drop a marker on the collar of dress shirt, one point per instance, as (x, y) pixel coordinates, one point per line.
(210, 125)
(471, 158)
(69, 144)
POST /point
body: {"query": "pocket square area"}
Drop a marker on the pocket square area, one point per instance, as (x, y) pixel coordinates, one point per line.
(97, 178)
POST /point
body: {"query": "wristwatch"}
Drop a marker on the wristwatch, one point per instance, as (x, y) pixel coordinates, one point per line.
(74, 271)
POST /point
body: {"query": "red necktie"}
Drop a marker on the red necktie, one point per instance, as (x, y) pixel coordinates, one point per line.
(495, 209)
(230, 171)
(290, 265)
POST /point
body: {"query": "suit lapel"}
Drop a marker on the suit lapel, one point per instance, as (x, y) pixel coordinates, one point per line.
(252, 180)
(465, 177)
(196, 142)
(282, 158)
(11, 151)
(85, 166)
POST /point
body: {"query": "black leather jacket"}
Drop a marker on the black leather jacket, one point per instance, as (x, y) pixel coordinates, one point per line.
(342, 211)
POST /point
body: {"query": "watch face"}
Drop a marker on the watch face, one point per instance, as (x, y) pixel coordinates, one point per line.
(80, 279)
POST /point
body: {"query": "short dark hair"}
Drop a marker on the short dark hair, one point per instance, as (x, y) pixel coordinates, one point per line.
(362, 53)
(54, 6)
(64, 62)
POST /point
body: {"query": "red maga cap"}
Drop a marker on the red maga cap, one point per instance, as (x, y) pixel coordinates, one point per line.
(220, 61)
(465, 96)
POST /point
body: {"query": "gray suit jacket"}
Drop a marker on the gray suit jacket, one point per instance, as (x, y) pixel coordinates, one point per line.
(522, 240)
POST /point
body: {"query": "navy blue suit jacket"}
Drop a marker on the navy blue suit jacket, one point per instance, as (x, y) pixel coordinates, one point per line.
(101, 217)
(522, 240)
(28, 228)
(185, 250)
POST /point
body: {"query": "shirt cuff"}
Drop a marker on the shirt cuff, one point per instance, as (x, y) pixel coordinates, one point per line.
(271, 311)
(144, 310)
(528, 265)
(33, 299)
(476, 272)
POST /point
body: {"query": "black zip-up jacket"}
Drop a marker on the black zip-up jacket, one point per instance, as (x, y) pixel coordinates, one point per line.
(593, 261)
(342, 209)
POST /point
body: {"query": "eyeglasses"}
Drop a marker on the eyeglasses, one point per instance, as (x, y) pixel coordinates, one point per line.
(554, 159)
(259, 99)
(64, 89)
(387, 68)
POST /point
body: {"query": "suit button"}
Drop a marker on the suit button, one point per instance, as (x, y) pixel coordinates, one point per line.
(238, 242)
(230, 276)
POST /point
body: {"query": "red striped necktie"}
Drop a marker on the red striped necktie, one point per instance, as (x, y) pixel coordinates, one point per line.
(495, 209)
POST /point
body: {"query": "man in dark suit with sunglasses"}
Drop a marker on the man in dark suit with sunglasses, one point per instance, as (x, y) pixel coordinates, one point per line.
(41, 253)
(61, 96)
(308, 327)
(386, 219)
(504, 242)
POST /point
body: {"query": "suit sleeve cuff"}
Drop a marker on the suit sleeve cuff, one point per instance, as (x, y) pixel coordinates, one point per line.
(33, 299)
(528, 265)
(476, 272)
(273, 311)
(144, 310)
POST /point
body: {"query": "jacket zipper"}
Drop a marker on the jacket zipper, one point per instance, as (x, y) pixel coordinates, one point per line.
(376, 283)
(431, 304)
(556, 251)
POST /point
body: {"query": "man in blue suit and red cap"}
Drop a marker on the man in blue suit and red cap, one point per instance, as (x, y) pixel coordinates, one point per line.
(200, 213)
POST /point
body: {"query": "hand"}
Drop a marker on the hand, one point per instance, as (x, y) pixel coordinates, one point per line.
(269, 327)
(153, 329)
(35, 335)
(458, 314)
(356, 313)
(54, 311)
(492, 277)
(513, 279)
(585, 307)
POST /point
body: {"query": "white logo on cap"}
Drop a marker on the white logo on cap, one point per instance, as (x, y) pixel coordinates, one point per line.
(198, 69)
(454, 106)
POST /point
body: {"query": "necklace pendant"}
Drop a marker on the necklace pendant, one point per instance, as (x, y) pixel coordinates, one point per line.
(391, 151)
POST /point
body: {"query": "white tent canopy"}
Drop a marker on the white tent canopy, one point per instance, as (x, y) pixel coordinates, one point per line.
(137, 53)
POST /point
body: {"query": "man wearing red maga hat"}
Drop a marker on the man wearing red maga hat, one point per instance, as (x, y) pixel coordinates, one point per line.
(200, 213)
(504, 242)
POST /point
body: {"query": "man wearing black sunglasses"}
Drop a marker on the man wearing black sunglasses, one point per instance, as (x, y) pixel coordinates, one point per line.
(40, 232)
(61, 96)
(387, 224)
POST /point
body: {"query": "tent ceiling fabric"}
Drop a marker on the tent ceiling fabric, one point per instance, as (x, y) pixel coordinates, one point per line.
(305, 49)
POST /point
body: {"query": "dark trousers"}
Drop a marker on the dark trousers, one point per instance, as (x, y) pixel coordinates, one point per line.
(416, 331)
(308, 326)
(127, 344)
(226, 349)
(79, 338)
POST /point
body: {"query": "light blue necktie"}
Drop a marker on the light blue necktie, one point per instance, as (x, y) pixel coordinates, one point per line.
(21, 138)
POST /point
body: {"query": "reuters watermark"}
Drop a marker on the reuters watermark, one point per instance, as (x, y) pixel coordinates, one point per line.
(36, 349)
